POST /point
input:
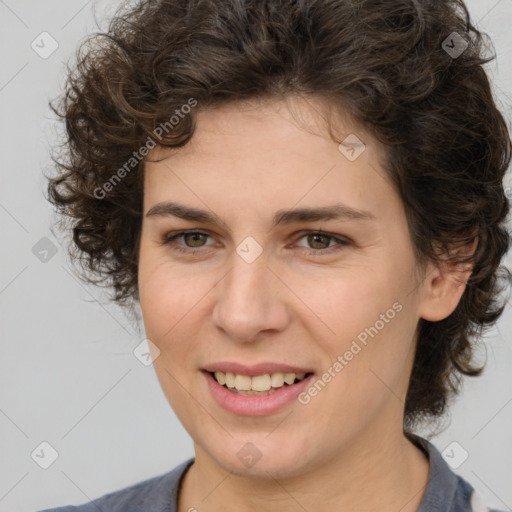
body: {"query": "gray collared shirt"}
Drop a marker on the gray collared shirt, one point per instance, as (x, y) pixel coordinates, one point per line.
(445, 492)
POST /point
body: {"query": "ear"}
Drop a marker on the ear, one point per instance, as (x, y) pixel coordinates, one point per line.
(444, 285)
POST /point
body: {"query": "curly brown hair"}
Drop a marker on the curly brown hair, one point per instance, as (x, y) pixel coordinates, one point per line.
(385, 62)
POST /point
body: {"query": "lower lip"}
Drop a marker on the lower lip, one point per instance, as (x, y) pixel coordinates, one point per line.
(255, 405)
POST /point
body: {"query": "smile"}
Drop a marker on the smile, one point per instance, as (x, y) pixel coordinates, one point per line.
(257, 385)
(251, 402)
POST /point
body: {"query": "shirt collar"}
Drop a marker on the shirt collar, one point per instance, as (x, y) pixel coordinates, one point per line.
(442, 481)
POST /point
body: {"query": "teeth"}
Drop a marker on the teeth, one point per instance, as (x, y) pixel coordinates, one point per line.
(277, 380)
(251, 392)
(261, 383)
(243, 382)
(230, 379)
(258, 383)
(289, 378)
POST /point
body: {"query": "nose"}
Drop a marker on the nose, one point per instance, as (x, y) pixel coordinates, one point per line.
(250, 300)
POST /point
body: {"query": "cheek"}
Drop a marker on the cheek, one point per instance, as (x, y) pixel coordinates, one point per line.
(162, 293)
(345, 304)
(163, 301)
(367, 316)
(173, 305)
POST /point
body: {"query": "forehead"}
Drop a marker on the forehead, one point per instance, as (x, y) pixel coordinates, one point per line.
(280, 124)
(271, 155)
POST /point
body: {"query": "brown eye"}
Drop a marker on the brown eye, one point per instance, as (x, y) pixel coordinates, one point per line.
(321, 243)
(318, 240)
(193, 239)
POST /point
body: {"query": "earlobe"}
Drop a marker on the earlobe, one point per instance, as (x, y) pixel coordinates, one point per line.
(445, 283)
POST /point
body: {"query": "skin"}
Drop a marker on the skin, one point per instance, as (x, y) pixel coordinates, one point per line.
(345, 449)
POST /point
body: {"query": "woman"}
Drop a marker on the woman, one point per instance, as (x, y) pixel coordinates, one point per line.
(306, 199)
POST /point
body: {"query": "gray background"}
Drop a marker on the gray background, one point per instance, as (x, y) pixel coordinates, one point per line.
(67, 372)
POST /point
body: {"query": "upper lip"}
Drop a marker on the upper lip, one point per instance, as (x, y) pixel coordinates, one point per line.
(257, 369)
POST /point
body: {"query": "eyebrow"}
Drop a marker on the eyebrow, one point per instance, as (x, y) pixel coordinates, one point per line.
(333, 212)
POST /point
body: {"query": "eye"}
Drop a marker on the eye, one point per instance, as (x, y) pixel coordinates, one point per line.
(195, 240)
(318, 240)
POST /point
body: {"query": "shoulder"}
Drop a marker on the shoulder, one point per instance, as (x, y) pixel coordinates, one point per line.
(154, 494)
(467, 499)
(447, 491)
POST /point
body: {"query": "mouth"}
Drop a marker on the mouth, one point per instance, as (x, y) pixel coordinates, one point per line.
(262, 384)
(258, 390)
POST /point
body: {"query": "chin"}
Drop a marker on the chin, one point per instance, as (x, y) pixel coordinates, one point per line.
(261, 458)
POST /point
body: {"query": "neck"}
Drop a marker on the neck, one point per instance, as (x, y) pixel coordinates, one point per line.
(374, 473)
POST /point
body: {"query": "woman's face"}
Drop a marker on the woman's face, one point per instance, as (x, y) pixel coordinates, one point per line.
(258, 287)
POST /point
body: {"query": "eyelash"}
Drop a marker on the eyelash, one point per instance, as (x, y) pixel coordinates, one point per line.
(168, 239)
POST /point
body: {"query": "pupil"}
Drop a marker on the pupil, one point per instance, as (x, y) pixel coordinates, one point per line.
(315, 236)
(194, 235)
